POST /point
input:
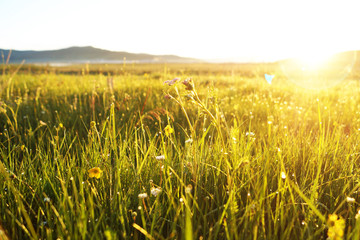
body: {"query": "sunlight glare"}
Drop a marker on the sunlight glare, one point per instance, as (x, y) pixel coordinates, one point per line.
(314, 59)
(319, 69)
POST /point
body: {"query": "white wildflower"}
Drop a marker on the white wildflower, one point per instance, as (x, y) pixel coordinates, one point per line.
(357, 216)
(142, 195)
(159, 158)
(155, 191)
(251, 134)
(188, 189)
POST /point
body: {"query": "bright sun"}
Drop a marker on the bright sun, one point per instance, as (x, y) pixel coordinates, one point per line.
(314, 59)
(319, 70)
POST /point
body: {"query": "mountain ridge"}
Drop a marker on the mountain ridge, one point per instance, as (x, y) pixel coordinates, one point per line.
(88, 54)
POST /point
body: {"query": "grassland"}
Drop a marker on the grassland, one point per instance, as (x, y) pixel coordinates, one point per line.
(233, 157)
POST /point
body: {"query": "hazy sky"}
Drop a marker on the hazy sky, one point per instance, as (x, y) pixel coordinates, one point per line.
(241, 30)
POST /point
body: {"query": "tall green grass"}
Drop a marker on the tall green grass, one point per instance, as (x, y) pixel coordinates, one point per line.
(246, 160)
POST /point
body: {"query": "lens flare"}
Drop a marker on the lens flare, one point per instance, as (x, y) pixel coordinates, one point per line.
(319, 71)
(269, 78)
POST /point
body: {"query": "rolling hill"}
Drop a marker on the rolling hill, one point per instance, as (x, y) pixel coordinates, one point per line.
(88, 54)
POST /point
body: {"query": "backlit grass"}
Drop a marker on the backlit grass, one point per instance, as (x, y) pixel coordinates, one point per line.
(226, 156)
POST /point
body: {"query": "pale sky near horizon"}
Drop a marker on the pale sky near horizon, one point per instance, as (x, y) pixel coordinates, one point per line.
(239, 30)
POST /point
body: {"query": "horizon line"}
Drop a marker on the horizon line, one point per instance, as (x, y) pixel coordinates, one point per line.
(247, 60)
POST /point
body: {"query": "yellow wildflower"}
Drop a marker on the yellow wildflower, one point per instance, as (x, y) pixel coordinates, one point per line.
(336, 227)
(95, 172)
(168, 130)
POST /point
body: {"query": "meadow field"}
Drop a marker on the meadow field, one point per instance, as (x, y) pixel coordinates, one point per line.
(115, 152)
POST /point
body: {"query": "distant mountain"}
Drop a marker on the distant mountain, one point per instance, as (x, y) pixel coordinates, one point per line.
(88, 54)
